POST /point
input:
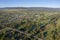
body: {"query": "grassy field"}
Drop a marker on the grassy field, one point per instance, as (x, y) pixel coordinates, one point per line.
(28, 24)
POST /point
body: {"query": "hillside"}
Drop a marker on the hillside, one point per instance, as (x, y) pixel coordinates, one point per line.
(29, 23)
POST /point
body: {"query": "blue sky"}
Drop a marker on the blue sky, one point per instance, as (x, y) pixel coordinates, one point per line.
(30, 3)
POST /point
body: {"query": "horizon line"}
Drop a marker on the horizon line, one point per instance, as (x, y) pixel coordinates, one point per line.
(29, 7)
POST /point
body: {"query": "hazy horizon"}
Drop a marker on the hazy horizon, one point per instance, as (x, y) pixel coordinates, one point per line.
(30, 3)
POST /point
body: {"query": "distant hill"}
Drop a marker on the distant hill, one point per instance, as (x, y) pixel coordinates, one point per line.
(33, 8)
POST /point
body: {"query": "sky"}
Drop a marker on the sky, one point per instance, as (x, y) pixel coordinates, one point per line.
(30, 3)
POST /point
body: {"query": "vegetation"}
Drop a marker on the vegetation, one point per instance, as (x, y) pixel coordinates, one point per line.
(29, 24)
